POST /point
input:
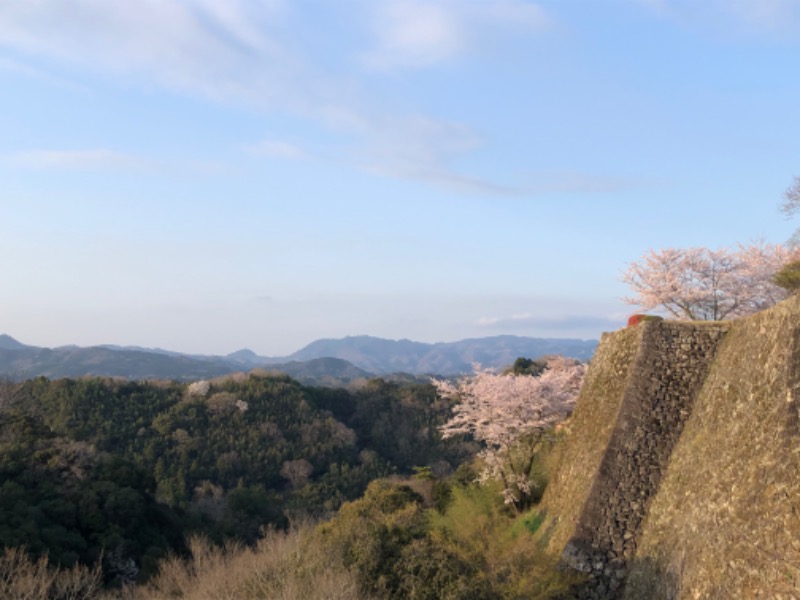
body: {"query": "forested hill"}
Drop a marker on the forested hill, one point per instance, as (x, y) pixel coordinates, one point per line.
(123, 472)
(324, 362)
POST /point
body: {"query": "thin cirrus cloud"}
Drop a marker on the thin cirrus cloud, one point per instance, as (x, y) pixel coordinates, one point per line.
(76, 159)
(237, 51)
(279, 149)
(14, 66)
(415, 34)
(546, 182)
(768, 17)
(423, 149)
(412, 148)
(227, 52)
(221, 50)
(564, 323)
(419, 34)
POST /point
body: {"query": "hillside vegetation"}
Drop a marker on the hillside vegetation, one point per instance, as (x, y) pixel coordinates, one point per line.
(122, 472)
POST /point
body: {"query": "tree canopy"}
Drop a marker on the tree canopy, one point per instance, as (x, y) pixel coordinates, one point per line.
(92, 467)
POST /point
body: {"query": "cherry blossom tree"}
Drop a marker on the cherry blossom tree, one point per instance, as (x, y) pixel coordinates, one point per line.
(510, 414)
(705, 284)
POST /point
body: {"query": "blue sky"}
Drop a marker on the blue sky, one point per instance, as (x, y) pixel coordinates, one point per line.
(207, 175)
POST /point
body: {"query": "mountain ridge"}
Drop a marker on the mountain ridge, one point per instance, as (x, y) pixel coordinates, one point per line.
(9, 343)
(381, 355)
(367, 355)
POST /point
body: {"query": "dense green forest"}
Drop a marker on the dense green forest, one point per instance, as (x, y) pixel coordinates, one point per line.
(122, 473)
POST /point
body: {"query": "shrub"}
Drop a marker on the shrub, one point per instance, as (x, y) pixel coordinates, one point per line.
(370, 534)
(788, 277)
(427, 570)
(503, 559)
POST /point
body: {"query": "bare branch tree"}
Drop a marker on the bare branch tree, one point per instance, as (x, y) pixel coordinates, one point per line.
(791, 196)
(791, 206)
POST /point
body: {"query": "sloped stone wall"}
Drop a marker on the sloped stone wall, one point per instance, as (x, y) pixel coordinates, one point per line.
(668, 370)
(725, 522)
(585, 436)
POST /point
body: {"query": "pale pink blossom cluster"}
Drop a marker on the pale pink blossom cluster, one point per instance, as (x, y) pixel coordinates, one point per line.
(198, 388)
(509, 414)
(709, 285)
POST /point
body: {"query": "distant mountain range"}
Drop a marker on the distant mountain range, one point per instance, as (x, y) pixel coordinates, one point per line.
(323, 362)
(379, 355)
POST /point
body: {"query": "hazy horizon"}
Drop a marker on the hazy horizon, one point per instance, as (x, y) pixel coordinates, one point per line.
(226, 353)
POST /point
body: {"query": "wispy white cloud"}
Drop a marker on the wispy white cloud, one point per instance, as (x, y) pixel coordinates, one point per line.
(279, 149)
(424, 149)
(14, 66)
(76, 159)
(414, 34)
(240, 51)
(576, 182)
(219, 49)
(539, 323)
(758, 16)
(228, 51)
(494, 321)
(769, 15)
(417, 33)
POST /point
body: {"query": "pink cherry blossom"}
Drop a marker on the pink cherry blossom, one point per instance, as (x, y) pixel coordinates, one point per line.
(509, 415)
(705, 284)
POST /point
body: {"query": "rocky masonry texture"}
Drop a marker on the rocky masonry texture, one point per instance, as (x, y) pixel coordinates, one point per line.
(668, 372)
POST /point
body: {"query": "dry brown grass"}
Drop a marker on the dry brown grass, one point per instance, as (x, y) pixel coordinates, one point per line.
(283, 566)
(22, 578)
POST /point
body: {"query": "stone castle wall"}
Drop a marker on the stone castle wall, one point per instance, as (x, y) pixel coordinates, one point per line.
(679, 473)
(668, 370)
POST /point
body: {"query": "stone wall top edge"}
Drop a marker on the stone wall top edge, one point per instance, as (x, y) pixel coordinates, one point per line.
(688, 325)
